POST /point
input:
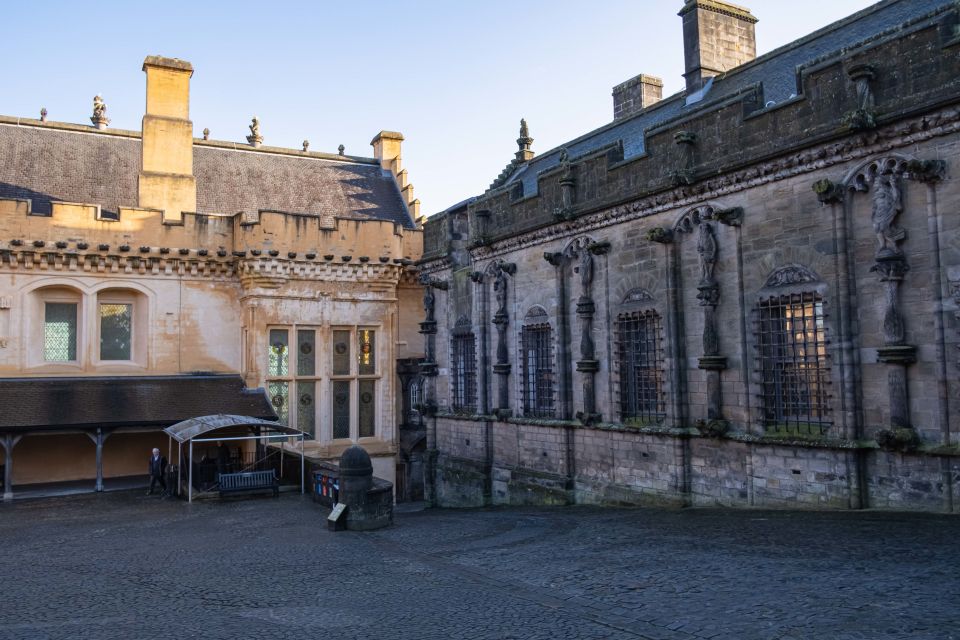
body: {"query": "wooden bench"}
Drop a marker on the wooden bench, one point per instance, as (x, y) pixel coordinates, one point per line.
(249, 481)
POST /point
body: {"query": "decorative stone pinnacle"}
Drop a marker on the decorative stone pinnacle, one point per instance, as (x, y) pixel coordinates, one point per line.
(99, 117)
(306, 145)
(523, 142)
(341, 149)
(43, 114)
(206, 133)
(255, 138)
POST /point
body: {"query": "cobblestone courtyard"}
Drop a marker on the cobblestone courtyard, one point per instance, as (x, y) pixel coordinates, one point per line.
(126, 566)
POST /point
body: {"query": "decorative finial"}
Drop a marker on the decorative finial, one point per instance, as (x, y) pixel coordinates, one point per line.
(206, 133)
(255, 138)
(306, 145)
(341, 149)
(43, 114)
(99, 118)
(523, 142)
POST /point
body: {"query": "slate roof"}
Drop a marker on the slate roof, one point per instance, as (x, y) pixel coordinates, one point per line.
(50, 163)
(157, 401)
(776, 71)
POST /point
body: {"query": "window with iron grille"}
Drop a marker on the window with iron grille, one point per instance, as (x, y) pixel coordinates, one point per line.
(537, 370)
(464, 377)
(795, 372)
(640, 356)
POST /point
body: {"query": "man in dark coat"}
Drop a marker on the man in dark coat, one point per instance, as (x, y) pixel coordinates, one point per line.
(158, 467)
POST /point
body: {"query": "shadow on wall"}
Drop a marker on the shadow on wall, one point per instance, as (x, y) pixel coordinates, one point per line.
(40, 203)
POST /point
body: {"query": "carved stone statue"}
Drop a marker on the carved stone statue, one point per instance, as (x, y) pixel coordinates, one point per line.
(887, 204)
(428, 302)
(255, 138)
(500, 290)
(99, 117)
(707, 248)
(586, 269)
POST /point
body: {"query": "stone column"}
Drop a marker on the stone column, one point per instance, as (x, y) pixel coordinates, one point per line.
(501, 319)
(891, 266)
(429, 370)
(483, 380)
(564, 402)
(583, 251)
(709, 296)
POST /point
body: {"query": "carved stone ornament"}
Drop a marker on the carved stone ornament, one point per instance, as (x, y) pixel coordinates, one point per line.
(660, 235)
(635, 296)
(827, 191)
(707, 250)
(790, 275)
(864, 117)
(99, 117)
(255, 138)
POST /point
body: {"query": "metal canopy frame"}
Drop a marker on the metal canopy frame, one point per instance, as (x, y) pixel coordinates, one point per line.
(191, 430)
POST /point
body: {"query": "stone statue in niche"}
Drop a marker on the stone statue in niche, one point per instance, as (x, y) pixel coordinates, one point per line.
(707, 248)
(887, 204)
(586, 269)
(428, 302)
(500, 291)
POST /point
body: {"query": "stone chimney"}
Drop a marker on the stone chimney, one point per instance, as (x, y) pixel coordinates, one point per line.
(166, 168)
(636, 94)
(717, 36)
(386, 149)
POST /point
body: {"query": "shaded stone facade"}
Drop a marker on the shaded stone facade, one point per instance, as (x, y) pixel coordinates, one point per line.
(750, 289)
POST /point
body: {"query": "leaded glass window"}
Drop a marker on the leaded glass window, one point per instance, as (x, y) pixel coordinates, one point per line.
(341, 409)
(640, 359)
(306, 352)
(794, 364)
(279, 393)
(366, 408)
(116, 331)
(60, 332)
(278, 364)
(307, 407)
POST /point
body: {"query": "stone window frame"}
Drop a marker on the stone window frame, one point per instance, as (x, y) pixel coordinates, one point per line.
(139, 331)
(356, 380)
(463, 373)
(291, 378)
(793, 284)
(88, 300)
(639, 302)
(537, 320)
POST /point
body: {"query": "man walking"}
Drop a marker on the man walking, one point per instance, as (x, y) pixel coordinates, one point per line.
(158, 467)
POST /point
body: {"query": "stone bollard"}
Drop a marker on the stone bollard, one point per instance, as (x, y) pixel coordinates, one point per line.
(368, 501)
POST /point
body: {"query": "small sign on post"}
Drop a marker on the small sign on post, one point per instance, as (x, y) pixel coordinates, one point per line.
(337, 520)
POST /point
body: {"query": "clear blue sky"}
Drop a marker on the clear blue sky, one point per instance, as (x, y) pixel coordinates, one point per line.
(454, 77)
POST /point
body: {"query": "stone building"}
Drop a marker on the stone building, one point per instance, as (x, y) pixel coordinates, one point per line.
(744, 294)
(150, 276)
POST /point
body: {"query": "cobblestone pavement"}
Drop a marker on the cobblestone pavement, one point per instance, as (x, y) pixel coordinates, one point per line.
(126, 566)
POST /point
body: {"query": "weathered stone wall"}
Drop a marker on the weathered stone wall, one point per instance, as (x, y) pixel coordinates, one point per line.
(793, 200)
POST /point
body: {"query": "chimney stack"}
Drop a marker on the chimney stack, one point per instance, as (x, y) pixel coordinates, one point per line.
(166, 169)
(717, 36)
(635, 94)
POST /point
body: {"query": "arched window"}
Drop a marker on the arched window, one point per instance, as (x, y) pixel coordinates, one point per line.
(537, 364)
(463, 349)
(640, 359)
(416, 400)
(795, 374)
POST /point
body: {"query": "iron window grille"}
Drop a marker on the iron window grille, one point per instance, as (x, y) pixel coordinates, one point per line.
(464, 373)
(640, 357)
(794, 364)
(537, 371)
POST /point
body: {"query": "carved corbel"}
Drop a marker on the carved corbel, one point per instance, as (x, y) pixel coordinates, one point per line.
(732, 217)
(926, 170)
(660, 235)
(827, 191)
